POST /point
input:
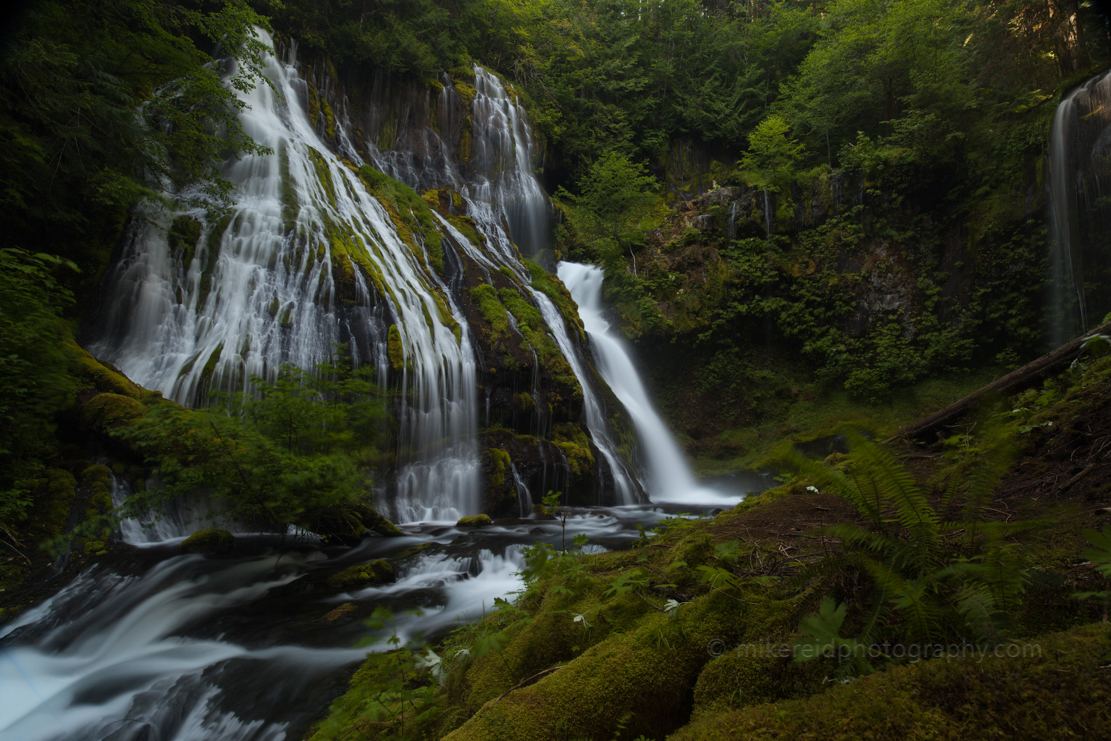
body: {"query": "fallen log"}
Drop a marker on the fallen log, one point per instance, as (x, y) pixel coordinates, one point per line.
(1011, 383)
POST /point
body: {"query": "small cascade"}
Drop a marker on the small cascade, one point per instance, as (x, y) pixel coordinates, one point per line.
(524, 497)
(171, 526)
(625, 490)
(503, 152)
(1080, 216)
(669, 476)
(281, 279)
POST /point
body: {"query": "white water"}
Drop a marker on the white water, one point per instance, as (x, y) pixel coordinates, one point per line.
(624, 489)
(115, 662)
(669, 477)
(503, 152)
(271, 298)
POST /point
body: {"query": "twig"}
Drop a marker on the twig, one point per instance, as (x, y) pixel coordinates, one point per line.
(534, 676)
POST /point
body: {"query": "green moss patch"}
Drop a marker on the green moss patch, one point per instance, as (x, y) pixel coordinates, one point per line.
(106, 412)
(209, 542)
(475, 521)
(380, 571)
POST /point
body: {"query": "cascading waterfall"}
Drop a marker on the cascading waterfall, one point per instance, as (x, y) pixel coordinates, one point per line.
(259, 289)
(625, 490)
(669, 477)
(504, 150)
(1080, 217)
(170, 526)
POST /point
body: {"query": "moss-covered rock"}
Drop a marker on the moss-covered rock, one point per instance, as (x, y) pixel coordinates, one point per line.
(394, 349)
(348, 525)
(363, 575)
(1049, 688)
(105, 412)
(476, 521)
(209, 542)
(104, 377)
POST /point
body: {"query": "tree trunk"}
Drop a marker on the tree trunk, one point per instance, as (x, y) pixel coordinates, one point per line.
(1011, 383)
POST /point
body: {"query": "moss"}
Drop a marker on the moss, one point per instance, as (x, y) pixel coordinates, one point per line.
(324, 175)
(464, 152)
(329, 119)
(183, 237)
(475, 521)
(410, 214)
(553, 288)
(1056, 691)
(376, 522)
(210, 364)
(492, 311)
(53, 501)
(499, 464)
(380, 571)
(209, 542)
(394, 348)
(573, 442)
(212, 254)
(755, 674)
(103, 377)
(106, 412)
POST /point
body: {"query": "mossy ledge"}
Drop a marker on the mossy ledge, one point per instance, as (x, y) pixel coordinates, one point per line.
(212, 542)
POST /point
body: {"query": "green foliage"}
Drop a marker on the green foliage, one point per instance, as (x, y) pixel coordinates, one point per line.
(769, 164)
(930, 579)
(72, 81)
(35, 373)
(304, 445)
(615, 199)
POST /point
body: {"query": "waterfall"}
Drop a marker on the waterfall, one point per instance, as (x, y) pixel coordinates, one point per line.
(503, 153)
(669, 477)
(1080, 238)
(624, 488)
(281, 279)
(172, 525)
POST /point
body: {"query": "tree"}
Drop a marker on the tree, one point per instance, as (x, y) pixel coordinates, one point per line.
(303, 447)
(34, 373)
(616, 197)
(772, 155)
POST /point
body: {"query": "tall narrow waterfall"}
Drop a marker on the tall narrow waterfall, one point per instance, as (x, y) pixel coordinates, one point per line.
(669, 477)
(1080, 216)
(624, 489)
(260, 288)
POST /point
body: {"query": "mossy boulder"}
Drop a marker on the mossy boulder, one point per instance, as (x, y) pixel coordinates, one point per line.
(106, 412)
(364, 575)
(1051, 687)
(348, 525)
(476, 521)
(105, 377)
(209, 542)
